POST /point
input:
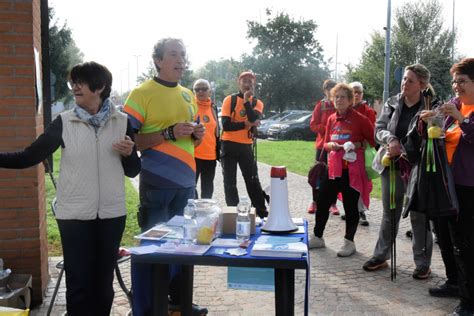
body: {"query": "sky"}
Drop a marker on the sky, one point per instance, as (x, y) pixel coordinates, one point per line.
(120, 33)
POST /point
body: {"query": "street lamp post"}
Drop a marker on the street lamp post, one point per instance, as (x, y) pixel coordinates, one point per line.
(386, 78)
(136, 57)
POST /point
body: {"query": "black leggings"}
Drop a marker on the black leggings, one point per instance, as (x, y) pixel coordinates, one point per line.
(328, 195)
(207, 170)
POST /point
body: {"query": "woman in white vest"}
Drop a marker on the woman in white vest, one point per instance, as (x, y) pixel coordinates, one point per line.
(97, 150)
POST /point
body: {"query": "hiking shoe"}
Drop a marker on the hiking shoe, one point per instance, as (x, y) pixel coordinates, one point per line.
(347, 249)
(316, 242)
(312, 208)
(343, 217)
(444, 290)
(175, 309)
(363, 219)
(374, 264)
(421, 273)
(334, 210)
(262, 213)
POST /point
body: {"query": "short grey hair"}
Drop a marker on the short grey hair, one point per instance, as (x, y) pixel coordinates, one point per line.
(357, 85)
(201, 81)
(159, 49)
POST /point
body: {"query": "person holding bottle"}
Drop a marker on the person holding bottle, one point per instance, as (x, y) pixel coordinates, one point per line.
(346, 132)
(455, 233)
(399, 117)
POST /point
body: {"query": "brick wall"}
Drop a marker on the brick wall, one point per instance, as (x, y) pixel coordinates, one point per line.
(23, 231)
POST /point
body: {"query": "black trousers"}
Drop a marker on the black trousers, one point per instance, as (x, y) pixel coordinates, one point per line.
(241, 154)
(90, 250)
(317, 158)
(328, 195)
(443, 227)
(207, 170)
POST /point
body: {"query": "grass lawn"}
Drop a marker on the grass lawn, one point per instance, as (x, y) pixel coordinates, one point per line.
(297, 156)
(54, 239)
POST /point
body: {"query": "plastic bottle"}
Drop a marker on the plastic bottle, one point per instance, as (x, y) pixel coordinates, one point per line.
(242, 224)
(190, 223)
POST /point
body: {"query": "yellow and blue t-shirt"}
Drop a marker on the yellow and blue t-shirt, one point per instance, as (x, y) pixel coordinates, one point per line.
(152, 107)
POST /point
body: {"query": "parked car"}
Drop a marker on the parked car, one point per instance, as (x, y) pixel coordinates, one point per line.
(284, 116)
(295, 129)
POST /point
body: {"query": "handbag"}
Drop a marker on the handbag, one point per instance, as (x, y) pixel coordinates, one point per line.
(369, 155)
(318, 172)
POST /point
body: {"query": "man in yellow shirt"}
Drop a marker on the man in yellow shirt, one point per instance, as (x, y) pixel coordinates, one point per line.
(238, 124)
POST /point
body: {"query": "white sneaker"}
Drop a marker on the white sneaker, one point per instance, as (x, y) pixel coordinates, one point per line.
(347, 249)
(316, 242)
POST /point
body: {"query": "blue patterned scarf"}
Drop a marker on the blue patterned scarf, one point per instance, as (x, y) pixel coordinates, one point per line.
(97, 120)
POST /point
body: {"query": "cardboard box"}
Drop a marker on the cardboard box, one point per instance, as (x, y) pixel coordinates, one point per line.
(229, 216)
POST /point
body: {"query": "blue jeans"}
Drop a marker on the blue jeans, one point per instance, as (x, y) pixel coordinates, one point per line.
(157, 205)
(160, 205)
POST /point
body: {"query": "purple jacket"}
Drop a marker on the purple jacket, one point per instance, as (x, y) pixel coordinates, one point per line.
(462, 164)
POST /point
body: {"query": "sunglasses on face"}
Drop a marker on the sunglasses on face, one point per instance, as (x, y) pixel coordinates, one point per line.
(203, 89)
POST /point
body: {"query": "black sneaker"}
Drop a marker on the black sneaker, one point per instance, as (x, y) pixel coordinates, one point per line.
(262, 213)
(421, 273)
(463, 310)
(363, 219)
(374, 264)
(343, 217)
(197, 310)
(445, 290)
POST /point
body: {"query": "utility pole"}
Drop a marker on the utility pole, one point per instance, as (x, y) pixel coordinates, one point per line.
(335, 67)
(452, 42)
(136, 57)
(386, 78)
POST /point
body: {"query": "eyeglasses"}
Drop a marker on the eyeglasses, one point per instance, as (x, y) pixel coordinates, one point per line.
(357, 92)
(70, 84)
(203, 89)
(460, 82)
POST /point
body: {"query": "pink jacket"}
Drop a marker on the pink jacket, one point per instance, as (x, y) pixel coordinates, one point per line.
(357, 175)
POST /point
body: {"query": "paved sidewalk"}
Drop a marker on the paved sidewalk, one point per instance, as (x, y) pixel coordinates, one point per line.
(339, 286)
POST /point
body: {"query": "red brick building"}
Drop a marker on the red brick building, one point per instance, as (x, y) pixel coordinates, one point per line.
(23, 231)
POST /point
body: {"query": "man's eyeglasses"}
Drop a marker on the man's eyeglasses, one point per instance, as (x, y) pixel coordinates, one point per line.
(357, 92)
(70, 84)
(203, 89)
(460, 82)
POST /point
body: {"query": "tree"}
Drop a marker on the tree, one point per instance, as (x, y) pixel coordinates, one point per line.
(63, 54)
(418, 37)
(288, 61)
(224, 74)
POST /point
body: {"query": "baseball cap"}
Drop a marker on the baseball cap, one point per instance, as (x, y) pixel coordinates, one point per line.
(247, 74)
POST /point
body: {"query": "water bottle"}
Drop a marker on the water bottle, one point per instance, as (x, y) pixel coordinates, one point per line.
(190, 223)
(242, 224)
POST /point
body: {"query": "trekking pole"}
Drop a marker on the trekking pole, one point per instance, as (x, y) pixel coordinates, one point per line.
(48, 168)
(393, 256)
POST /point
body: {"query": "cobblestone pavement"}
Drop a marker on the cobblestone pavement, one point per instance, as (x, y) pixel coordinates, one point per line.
(339, 286)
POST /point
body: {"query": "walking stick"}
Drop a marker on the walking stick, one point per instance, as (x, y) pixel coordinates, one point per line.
(393, 211)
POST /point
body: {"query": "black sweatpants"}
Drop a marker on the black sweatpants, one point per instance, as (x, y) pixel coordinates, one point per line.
(90, 250)
(328, 195)
(207, 170)
(236, 153)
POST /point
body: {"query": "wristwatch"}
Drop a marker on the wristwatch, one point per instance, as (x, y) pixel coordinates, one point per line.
(466, 120)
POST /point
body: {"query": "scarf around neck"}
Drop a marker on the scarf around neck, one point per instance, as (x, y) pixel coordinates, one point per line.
(97, 120)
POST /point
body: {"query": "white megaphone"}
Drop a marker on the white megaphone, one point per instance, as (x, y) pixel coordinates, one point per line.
(279, 219)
